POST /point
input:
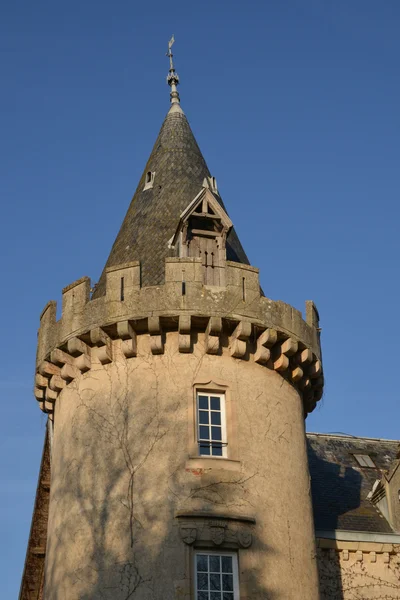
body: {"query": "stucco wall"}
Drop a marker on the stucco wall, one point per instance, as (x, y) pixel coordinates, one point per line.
(121, 473)
(360, 575)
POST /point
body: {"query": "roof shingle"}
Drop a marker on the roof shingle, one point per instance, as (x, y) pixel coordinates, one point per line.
(153, 214)
(340, 486)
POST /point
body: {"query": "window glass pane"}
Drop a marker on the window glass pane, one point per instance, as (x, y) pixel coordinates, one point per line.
(203, 402)
(202, 563)
(215, 562)
(205, 450)
(226, 564)
(227, 583)
(211, 583)
(204, 432)
(203, 416)
(217, 450)
(202, 581)
(215, 581)
(216, 433)
(215, 418)
(215, 403)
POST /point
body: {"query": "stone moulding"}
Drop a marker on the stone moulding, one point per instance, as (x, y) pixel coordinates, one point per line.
(360, 551)
(247, 326)
(216, 530)
(74, 356)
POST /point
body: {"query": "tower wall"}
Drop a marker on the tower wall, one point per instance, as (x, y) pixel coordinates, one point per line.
(131, 500)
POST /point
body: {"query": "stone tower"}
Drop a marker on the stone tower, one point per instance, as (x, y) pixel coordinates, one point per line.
(176, 394)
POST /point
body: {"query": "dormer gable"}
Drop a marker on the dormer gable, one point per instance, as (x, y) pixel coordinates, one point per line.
(201, 233)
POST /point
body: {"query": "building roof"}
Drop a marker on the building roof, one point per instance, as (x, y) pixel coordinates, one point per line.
(340, 485)
(32, 582)
(154, 213)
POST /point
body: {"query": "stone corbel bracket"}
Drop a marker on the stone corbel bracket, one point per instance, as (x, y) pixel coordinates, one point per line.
(243, 340)
(219, 531)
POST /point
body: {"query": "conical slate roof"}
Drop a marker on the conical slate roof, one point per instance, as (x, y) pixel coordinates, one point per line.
(153, 214)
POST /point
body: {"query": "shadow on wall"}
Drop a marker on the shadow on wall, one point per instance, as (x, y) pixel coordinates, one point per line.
(115, 491)
(336, 490)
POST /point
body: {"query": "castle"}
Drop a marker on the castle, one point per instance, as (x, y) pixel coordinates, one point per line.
(176, 464)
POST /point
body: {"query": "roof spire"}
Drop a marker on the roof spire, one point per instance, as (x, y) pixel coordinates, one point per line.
(172, 78)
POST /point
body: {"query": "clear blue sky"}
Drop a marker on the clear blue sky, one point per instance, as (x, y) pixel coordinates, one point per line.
(295, 105)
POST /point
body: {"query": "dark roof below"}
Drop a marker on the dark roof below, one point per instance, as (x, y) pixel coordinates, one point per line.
(340, 486)
(153, 215)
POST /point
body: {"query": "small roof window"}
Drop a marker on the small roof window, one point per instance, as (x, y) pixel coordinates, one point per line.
(364, 460)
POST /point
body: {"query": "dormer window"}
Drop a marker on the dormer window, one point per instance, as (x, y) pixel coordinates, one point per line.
(364, 460)
(149, 180)
(201, 233)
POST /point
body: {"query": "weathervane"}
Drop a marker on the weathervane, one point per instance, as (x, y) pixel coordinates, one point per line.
(172, 77)
(169, 53)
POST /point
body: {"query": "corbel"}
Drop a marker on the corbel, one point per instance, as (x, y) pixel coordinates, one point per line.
(345, 555)
(184, 327)
(386, 557)
(265, 342)
(69, 372)
(48, 407)
(81, 353)
(155, 331)
(282, 353)
(296, 374)
(304, 384)
(47, 369)
(213, 332)
(103, 343)
(372, 557)
(239, 338)
(318, 393)
(57, 383)
(315, 369)
(127, 334)
(51, 395)
(39, 394)
(41, 382)
(305, 357)
(359, 556)
(61, 358)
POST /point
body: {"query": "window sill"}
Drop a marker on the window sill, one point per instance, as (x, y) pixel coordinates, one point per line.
(212, 462)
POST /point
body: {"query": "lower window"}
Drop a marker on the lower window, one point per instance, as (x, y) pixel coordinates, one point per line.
(216, 576)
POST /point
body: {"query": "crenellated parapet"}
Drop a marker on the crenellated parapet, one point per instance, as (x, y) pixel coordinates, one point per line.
(234, 319)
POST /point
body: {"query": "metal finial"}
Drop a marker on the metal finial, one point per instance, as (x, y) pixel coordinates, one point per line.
(172, 78)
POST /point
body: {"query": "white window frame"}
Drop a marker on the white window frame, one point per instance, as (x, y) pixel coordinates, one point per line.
(149, 184)
(223, 442)
(235, 569)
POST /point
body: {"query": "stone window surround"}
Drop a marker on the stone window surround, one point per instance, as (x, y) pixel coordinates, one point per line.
(149, 180)
(231, 460)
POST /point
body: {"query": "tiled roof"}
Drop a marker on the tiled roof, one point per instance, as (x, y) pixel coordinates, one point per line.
(340, 485)
(153, 214)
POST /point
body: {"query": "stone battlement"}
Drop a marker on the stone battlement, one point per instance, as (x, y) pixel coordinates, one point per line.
(235, 318)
